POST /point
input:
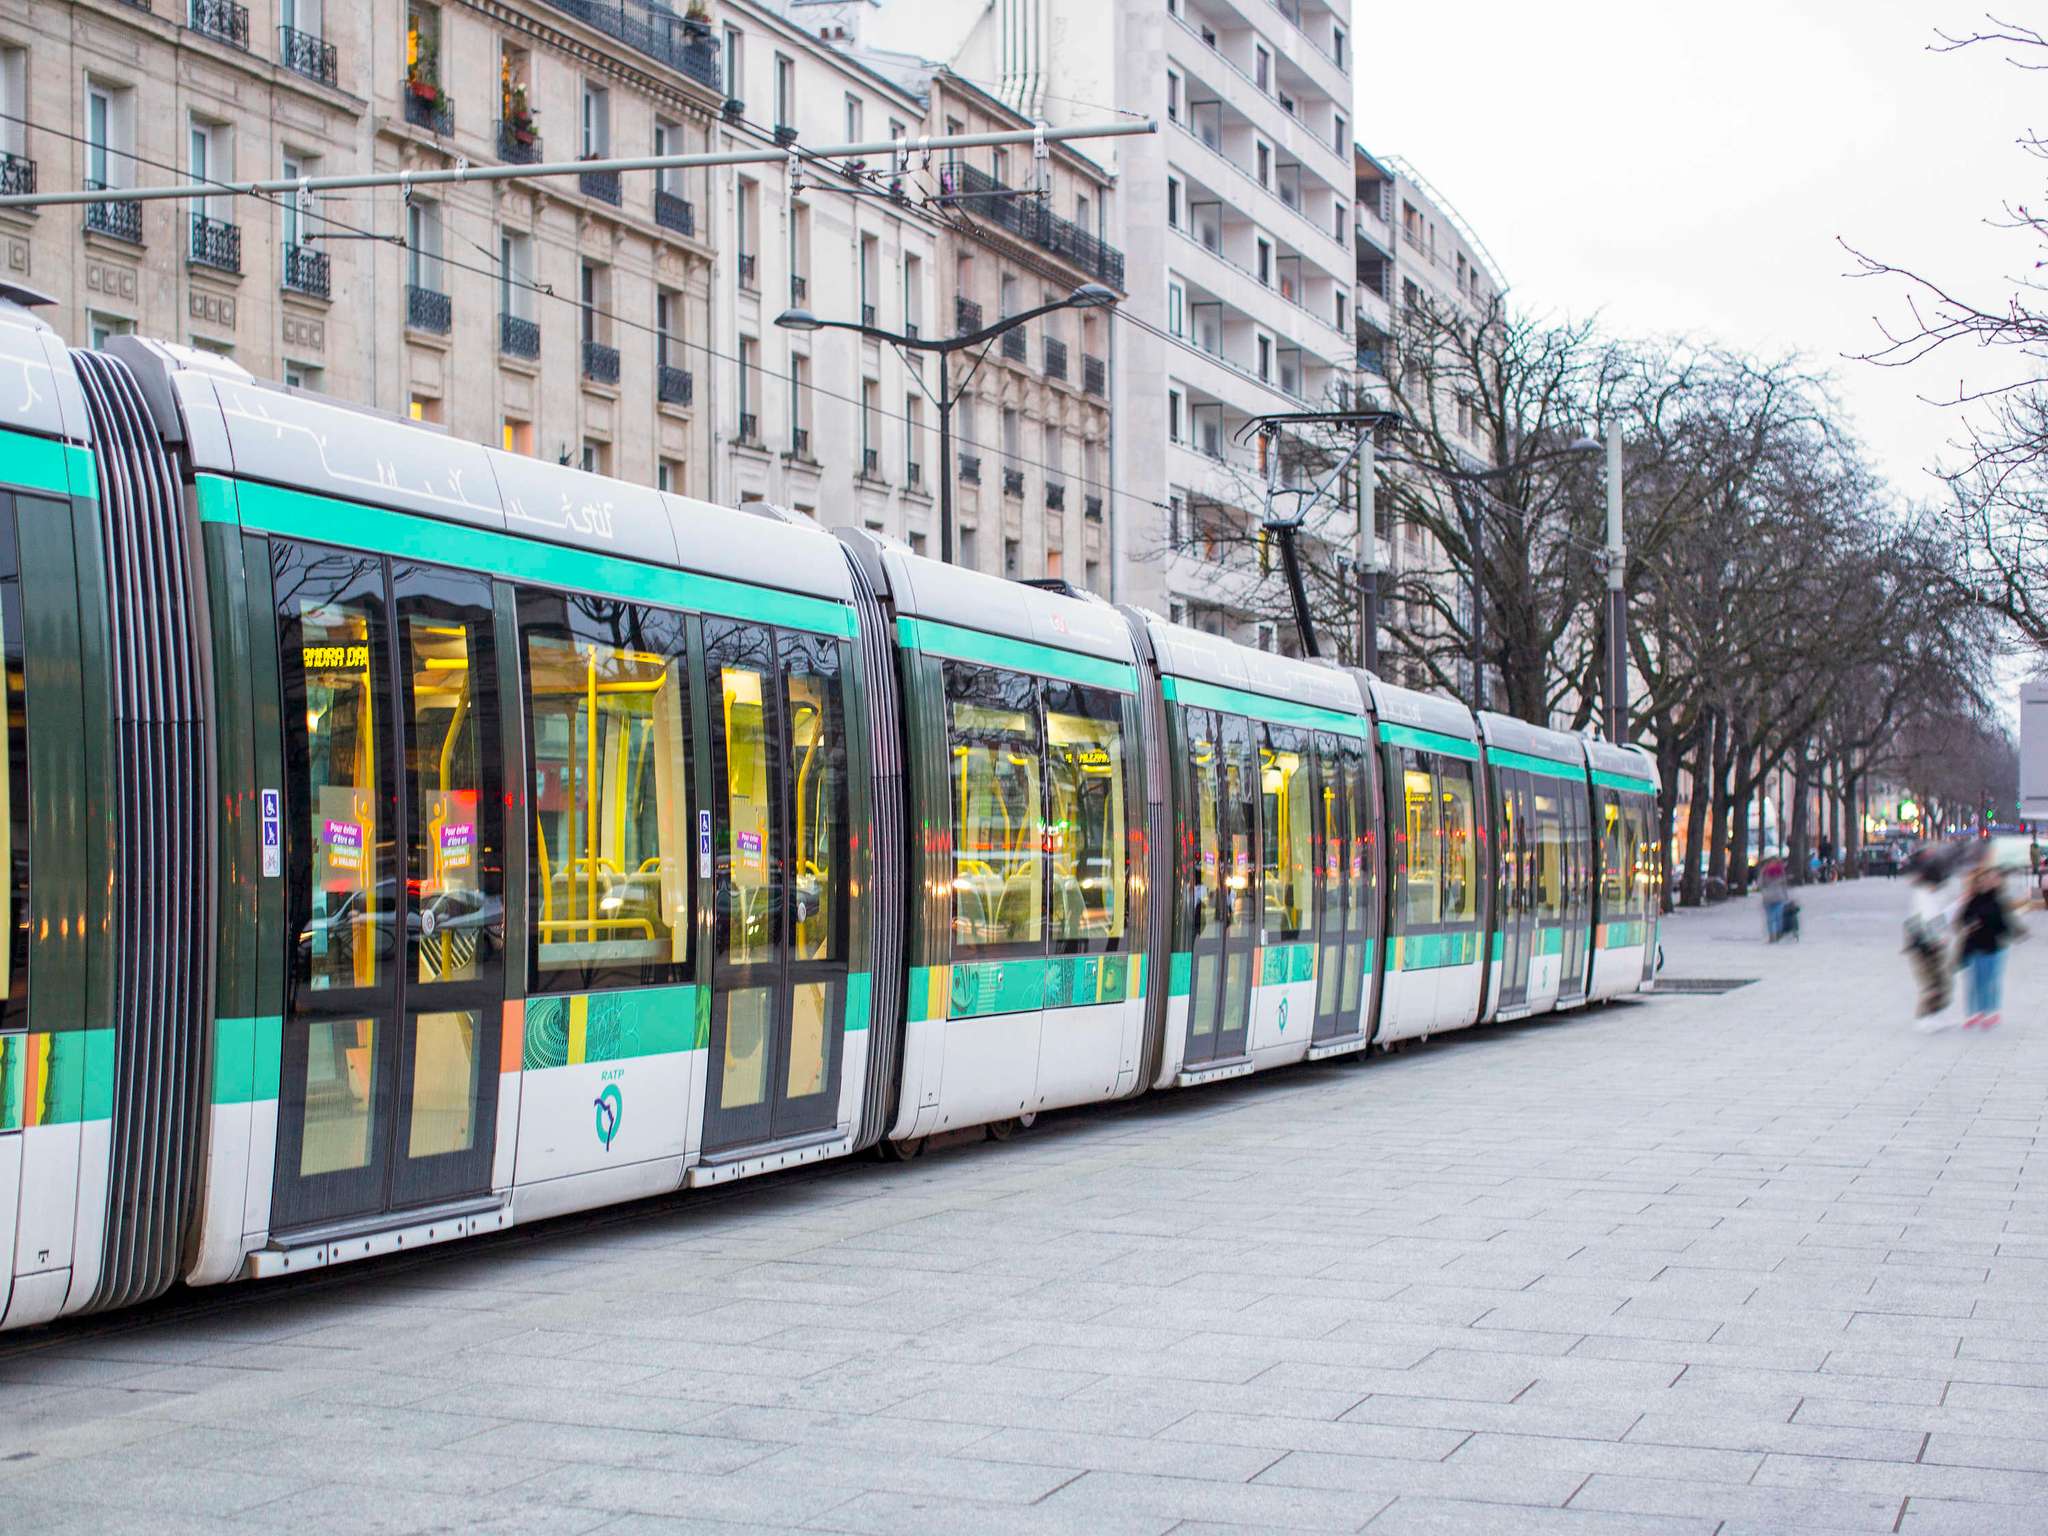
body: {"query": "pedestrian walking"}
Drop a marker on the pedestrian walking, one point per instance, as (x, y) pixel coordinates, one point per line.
(1776, 893)
(1987, 927)
(1927, 940)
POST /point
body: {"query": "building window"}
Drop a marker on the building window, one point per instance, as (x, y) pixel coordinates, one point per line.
(425, 408)
(969, 551)
(668, 140)
(1013, 558)
(1172, 203)
(1338, 133)
(597, 457)
(913, 443)
(293, 211)
(594, 301)
(1340, 309)
(423, 245)
(785, 91)
(302, 376)
(734, 76)
(1176, 309)
(516, 436)
(1265, 162)
(870, 427)
(668, 321)
(913, 295)
(800, 405)
(870, 292)
(1173, 416)
(750, 359)
(1337, 45)
(103, 328)
(110, 135)
(515, 275)
(1265, 262)
(668, 476)
(853, 119)
(597, 121)
(1266, 357)
(1262, 67)
(1172, 97)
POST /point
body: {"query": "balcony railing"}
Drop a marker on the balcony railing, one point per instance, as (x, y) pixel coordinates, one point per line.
(435, 115)
(119, 220)
(871, 464)
(1026, 215)
(305, 270)
(1091, 508)
(654, 28)
(1013, 482)
(1015, 345)
(602, 185)
(600, 363)
(750, 271)
(518, 336)
(910, 329)
(970, 469)
(798, 287)
(1372, 360)
(221, 20)
(427, 309)
(1055, 359)
(1056, 495)
(676, 213)
(673, 386)
(966, 317)
(867, 314)
(750, 427)
(305, 54)
(216, 243)
(517, 144)
(800, 443)
(1094, 375)
(913, 476)
(17, 175)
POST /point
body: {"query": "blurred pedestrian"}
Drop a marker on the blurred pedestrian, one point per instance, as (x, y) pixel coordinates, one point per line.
(1927, 939)
(1987, 927)
(1776, 893)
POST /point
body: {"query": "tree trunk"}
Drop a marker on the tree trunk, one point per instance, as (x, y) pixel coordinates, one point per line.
(1738, 852)
(1835, 809)
(1802, 833)
(1667, 806)
(1698, 817)
(1852, 835)
(1717, 825)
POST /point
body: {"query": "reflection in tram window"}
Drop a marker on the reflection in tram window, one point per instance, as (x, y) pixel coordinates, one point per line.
(751, 865)
(1084, 739)
(998, 823)
(744, 1080)
(348, 934)
(1614, 864)
(341, 1094)
(1362, 877)
(611, 843)
(459, 915)
(817, 747)
(1549, 859)
(809, 1041)
(1285, 810)
(1461, 844)
(1422, 903)
(444, 1083)
(14, 788)
(1204, 889)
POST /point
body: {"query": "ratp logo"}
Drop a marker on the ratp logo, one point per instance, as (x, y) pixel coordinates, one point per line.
(611, 1108)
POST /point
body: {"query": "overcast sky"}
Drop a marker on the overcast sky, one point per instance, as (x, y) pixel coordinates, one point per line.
(1688, 169)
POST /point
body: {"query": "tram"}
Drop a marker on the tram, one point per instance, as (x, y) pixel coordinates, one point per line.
(406, 839)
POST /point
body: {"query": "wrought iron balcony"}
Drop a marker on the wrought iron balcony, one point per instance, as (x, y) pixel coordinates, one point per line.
(1091, 508)
(118, 220)
(305, 270)
(1094, 375)
(750, 428)
(1013, 482)
(216, 243)
(800, 443)
(798, 287)
(518, 337)
(600, 363)
(434, 114)
(221, 20)
(305, 54)
(654, 28)
(970, 469)
(913, 476)
(749, 271)
(517, 144)
(867, 314)
(17, 175)
(602, 185)
(1015, 345)
(676, 213)
(1056, 495)
(966, 317)
(427, 310)
(1055, 359)
(1026, 215)
(870, 464)
(673, 386)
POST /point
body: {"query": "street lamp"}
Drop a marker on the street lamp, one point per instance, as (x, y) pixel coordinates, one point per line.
(1087, 296)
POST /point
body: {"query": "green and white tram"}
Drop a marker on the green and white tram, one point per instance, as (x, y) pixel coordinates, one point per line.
(405, 839)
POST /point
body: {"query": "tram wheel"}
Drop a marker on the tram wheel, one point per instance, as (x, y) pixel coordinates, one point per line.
(903, 1151)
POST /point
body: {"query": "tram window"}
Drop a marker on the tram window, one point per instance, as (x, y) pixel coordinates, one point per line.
(1361, 874)
(1461, 843)
(13, 787)
(1240, 818)
(998, 817)
(1204, 886)
(450, 693)
(608, 755)
(1332, 845)
(750, 858)
(1642, 860)
(1422, 890)
(1549, 858)
(1613, 858)
(1084, 760)
(817, 754)
(1286, 811)
(336, 687)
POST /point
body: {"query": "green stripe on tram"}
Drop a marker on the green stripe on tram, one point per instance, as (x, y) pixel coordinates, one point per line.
(1623, 782)
(1623, 935)
(976, 989)
(1180, 973)
(1280, 964)
(937, 639)
(45, 464)
(1503, 757)
(576, 1029)
(1550, 941)
(380, 530)
(1434, 951)
(246, 1053)
(859, 1001)
(1194, 694)
(1428, 741)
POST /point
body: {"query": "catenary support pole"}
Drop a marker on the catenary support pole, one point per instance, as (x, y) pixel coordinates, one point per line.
(1368, 561)
(1617, 600)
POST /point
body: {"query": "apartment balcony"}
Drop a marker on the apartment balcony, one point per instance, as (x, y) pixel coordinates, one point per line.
(655, 29)
(306, 271)
(1013, 482)
(1213, 75)
(1055, 359)
(750, 429)
(870, 466)
(1372, 360)
(673, 386)
(600, 363)
(518, 144)
(676, 213)
(17, 176)
(1056, 495)
(913, 476)
(1372, 308)
(1213, 145)
(966, 317)
(749, 272)
(1210, 272)
(221, 20)
(431, 112)
(602, 185)
(970, 469)
(304, 54)
(427, 310)
(1091, 508)
(1094, 375)
(518, 336)
(1015, 346)
(1026, 216)
(216, 244)
(800, 445)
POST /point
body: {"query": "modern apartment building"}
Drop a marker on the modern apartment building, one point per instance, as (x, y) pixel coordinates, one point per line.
(560, 318)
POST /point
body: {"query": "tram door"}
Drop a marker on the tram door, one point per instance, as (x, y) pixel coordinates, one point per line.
(1224, 778)
(1513, 900)
(1578, 895)
(395, 809)
(1333, 888)
(778, 977)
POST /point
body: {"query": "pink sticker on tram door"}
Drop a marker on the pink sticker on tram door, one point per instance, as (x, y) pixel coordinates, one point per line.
(343, 841)
(458, 845)
(750, 847)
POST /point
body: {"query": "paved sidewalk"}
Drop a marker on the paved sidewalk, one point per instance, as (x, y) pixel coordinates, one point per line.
(1767, 1261)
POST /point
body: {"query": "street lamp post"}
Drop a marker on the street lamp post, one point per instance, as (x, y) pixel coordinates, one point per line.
(1087, 296)
(1617, 599)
